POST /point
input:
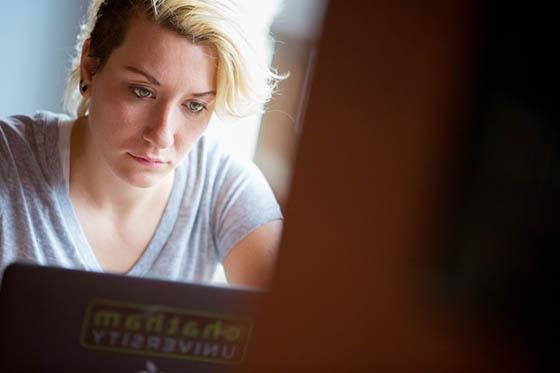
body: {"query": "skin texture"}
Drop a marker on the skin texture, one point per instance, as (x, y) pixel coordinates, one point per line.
(149, 104)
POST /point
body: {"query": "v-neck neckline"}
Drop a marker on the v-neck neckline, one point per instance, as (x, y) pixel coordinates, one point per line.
(161, 233)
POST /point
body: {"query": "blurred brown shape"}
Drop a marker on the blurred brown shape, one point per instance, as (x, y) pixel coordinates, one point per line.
(350, 292)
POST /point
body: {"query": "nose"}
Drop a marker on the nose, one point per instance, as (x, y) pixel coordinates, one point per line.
(160, 130)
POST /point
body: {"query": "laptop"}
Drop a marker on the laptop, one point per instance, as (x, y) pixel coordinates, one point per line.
(98, 322)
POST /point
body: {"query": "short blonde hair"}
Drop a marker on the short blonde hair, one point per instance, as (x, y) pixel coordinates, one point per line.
(245, 81)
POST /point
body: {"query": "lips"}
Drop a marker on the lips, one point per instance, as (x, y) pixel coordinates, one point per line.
(146, 159)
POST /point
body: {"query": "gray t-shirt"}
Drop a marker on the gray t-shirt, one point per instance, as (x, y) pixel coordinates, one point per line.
(215, 202)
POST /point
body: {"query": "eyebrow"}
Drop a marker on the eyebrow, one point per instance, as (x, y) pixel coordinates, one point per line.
(150, 78)
(209, 93)
(154, 81)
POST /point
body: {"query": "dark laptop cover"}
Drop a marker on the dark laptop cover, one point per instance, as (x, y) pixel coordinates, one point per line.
(61, 320)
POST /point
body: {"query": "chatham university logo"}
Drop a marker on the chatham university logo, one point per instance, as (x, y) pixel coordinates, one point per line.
(164, 332)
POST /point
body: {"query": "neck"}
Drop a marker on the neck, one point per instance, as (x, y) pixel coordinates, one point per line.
(92, 183)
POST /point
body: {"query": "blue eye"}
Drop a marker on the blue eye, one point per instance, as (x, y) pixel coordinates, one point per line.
(141, 92)
(195, 107)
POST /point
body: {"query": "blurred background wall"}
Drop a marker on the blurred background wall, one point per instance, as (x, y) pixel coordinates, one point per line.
(36, 42)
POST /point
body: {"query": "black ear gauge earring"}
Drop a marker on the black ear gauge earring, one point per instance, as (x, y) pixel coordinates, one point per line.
(83, 86)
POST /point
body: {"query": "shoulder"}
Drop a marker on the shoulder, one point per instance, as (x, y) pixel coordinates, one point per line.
(28, 144)
(239, 193)
(20, 129)
(41, 118)
(226, 180)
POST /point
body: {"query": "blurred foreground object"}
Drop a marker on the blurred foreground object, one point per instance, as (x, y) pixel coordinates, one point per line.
(389, 261)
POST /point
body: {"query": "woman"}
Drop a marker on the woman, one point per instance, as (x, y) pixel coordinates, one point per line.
(130, 184)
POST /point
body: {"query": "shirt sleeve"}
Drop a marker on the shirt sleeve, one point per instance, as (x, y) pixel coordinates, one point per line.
(244, 201)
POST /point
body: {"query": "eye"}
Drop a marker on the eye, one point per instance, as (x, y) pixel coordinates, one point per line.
(142, 92)
(195, 107)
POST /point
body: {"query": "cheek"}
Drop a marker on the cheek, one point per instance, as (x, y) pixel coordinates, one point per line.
(111, 115)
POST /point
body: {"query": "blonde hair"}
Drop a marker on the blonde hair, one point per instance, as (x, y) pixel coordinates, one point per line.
(245, 82)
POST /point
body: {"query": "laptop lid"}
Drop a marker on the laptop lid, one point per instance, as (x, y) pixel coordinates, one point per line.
(61, 320)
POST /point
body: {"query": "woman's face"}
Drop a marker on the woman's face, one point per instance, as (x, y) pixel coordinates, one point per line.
(150, 103)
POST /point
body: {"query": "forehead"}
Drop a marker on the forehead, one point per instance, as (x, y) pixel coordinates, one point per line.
(166, 54)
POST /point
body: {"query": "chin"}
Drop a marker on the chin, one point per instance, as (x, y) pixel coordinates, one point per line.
(145, 184)
(143, 179)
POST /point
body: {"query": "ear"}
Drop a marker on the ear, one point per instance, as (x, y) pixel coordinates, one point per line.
(88, 67)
